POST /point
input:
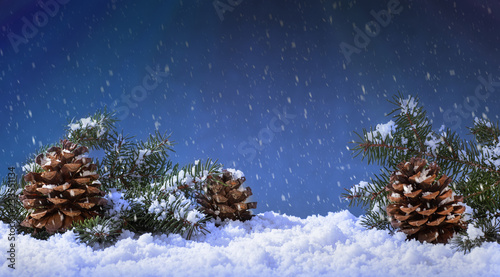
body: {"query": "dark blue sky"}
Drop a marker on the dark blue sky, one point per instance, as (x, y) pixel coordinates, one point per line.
(271, 71)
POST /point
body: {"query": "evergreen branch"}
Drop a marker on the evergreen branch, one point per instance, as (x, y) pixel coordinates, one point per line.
(97, 230)
(473, 165)
(368, 145)
(485, 131)
(450, 147)
(92, 131)
(11, 209)
(491, 233)
(374, 220)
(376, 194)
(145, 191)
(415, 133)
(483, 190)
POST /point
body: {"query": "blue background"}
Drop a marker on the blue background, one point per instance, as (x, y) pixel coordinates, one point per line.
(225, 78)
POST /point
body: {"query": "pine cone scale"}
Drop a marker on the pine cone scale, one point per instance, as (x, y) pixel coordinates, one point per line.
(447, 210)
(71, 212)
(44, 191)
(428, 212)
(62, 188)
(413, 194)
(402, 217)
(431, 195)
(437, 221)
(37, 214)
(411, 231)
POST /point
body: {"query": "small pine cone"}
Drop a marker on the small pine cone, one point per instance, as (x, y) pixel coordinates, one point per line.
(66, 191)
(224, 197)
(422, 206)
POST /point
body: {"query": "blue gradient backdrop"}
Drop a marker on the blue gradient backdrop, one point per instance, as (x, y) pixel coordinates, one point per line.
(229, 76)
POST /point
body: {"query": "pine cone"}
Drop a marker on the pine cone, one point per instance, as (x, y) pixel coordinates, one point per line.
(423, 207)
(224, 197)
(66, 191)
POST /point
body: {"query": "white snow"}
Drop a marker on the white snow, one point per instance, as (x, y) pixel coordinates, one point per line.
(482, 121)
(183, 207)
(432, 142)
(423, 176)
(382, 131)
(83, 123)
(268, 245)
(492, 152)
(407, 188)
(142, 153)
(447, 200)
(87, 123)
(117, 201)
(31, 167)
(46, 161)
(359, 188)
(48, 186)
(474, 233)
(395, 195)
(235, 173)
(88, 173)
(194, 216)
(408, 106)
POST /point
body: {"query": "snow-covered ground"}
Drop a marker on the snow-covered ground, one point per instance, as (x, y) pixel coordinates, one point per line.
(269, 245)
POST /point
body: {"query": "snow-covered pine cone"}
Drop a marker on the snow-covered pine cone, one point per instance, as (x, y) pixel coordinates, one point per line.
(66, 191)
(224, 197)
(422, 206)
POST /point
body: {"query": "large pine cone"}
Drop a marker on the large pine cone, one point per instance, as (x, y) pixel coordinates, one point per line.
(224, 197)
(66, 191)
(424, 207)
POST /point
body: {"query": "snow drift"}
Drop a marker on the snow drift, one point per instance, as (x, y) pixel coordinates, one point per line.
(268, 245)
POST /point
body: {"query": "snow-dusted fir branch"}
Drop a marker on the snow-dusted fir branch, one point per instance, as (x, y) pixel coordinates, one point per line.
(482, 230)
(411, 135)
(127, 163)
(151, 157)
(139, 189)
(92, 131)
(170, 205)
(474, 165)
(11, 209)
(98, 230)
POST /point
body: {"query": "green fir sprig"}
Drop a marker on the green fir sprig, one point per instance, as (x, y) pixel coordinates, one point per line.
(98, 230)
(11, 209)
(94, 131)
